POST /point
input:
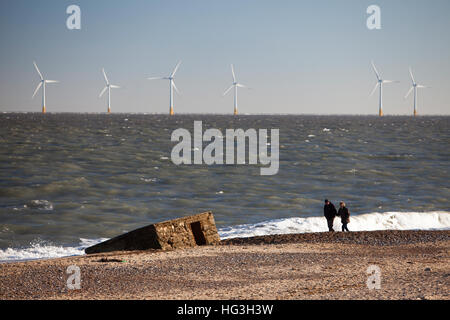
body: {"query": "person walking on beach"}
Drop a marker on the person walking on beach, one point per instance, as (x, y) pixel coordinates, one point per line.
(329, 211)
(345, 216)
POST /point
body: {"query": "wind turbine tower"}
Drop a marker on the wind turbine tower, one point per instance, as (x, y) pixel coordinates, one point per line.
(234, 86)
(42, 84)
(380, 83)
(107, 87)
(171, 86)
(414, 88)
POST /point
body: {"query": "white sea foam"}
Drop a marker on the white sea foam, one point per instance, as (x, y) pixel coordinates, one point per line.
(438, 220)
(39, 205)
(41, 251)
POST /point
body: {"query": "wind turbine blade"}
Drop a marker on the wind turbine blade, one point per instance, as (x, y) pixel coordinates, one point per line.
(376, 71)
(412, 77)
(156, 78)
(421, 86)
(175, 70)
(37, 88)
(103, 91)
(175, 87)
(241, 86)
(374, 89)
(232, 72)
(409, 92)
(51, 81)
(114, 86)
(104, 75)
(231, 87)
(37, 69)
(390, 81)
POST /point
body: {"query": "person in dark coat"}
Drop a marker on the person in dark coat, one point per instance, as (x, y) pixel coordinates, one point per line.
(345, 216)
(329, 211)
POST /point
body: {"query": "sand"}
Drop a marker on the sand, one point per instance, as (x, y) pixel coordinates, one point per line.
(413, 265)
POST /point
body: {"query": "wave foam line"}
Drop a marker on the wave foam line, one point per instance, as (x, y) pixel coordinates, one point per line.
(43, 251)
(439, 220)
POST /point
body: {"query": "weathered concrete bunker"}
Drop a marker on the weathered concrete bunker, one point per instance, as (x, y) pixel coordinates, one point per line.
(196, 230)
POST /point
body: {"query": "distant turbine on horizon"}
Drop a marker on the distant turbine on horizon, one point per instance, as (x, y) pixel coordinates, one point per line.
(107, 87)
(171, 86)
(380, 82)
(414, 87)
(235, 85)
(42, 83)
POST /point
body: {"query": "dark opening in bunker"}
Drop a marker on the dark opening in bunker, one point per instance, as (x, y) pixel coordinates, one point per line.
(199, 237)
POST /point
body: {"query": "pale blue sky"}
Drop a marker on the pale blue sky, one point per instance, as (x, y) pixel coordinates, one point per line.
(309, 57)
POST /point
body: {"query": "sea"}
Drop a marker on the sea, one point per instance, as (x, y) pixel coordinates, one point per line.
(68, 181)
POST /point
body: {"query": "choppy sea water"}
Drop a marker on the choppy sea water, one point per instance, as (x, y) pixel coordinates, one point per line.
(70, 180)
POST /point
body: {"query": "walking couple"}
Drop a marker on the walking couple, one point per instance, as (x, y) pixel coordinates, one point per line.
(330, 213)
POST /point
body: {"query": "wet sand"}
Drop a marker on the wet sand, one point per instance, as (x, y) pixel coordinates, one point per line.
(413, 264)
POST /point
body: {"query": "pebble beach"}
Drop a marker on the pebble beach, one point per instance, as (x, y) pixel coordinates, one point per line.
(413, 265)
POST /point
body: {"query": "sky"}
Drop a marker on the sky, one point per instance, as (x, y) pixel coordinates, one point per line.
(298, 57)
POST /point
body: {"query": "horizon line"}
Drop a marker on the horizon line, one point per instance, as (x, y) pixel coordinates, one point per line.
(229, 114)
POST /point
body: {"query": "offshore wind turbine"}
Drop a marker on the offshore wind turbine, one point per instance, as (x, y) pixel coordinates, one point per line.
(414, 87)
(380, 83)
(235, 85)
(42, 83)
(107, 87)
(171, 86)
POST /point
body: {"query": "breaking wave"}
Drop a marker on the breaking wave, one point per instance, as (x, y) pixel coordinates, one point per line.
(439, 220)
(45, 251)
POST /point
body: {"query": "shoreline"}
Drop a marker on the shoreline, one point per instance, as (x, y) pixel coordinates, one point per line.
(324, 236)
(414, 265)
(384, 221)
